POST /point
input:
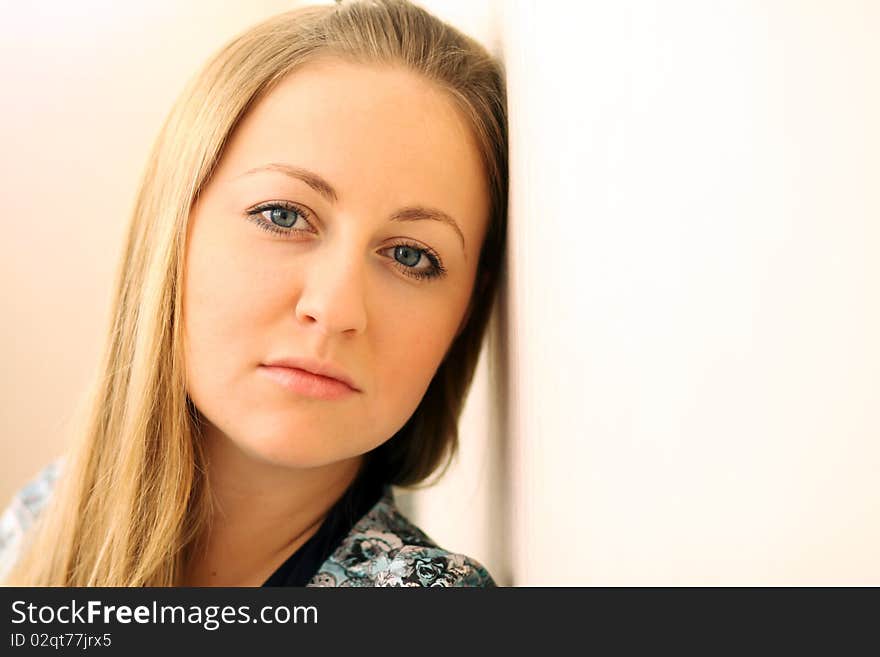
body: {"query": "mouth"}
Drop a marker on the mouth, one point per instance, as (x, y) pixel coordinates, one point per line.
(308, 384)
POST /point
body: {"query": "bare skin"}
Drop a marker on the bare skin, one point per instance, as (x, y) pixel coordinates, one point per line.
(258, 522)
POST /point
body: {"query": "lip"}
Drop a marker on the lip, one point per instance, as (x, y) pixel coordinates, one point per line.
(330, 372)
(306, 384)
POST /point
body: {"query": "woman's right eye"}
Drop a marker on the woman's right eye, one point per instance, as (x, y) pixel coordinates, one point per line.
(279, 218)
(284, 218)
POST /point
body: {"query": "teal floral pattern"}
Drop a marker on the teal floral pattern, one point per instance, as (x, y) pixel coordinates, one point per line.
(385, 549)
(382, 549)
(21, 514)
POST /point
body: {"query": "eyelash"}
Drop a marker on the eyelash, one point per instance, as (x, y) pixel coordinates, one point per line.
(437, 270)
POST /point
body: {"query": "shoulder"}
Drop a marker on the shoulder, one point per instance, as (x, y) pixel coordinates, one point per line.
(22, 511)
(385, 549)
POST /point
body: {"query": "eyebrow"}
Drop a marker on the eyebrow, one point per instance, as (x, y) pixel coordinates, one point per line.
(325, 189)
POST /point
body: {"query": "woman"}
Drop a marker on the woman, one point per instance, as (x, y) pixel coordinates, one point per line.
(306, 283)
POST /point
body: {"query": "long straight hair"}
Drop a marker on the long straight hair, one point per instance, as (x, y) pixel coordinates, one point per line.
(134, 495)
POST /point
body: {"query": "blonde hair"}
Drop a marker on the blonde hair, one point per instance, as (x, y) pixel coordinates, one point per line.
(133, 497)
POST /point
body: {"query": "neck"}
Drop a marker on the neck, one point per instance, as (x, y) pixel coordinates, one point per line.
(262, 512)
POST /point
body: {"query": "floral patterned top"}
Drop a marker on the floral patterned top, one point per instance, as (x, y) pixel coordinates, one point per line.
(383, 548)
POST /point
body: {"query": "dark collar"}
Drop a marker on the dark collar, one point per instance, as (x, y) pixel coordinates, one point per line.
(358, 499)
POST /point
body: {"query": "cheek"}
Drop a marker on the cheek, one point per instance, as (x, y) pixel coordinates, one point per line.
(223, 303)
(407, 357)
(228, 287)
(212, 277)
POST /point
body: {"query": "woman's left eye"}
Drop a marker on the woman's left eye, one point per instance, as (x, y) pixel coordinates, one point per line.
(417, 262)
(407, 256)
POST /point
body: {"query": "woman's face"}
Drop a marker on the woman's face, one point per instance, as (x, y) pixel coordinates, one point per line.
(314, 240)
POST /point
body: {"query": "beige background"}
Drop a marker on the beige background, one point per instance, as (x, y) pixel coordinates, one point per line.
(684, 382)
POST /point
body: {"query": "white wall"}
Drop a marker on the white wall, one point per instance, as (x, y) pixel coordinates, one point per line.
(695, 292)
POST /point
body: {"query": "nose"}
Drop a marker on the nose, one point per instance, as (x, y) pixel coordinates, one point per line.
(332, 297)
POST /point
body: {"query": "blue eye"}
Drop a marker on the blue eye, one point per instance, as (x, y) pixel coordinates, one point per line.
(279, 218)
(407, 255)
(282, 216)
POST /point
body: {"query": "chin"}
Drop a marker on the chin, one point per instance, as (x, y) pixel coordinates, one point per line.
(292, 449)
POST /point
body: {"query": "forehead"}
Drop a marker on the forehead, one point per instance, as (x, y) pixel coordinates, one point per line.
(377, 133)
